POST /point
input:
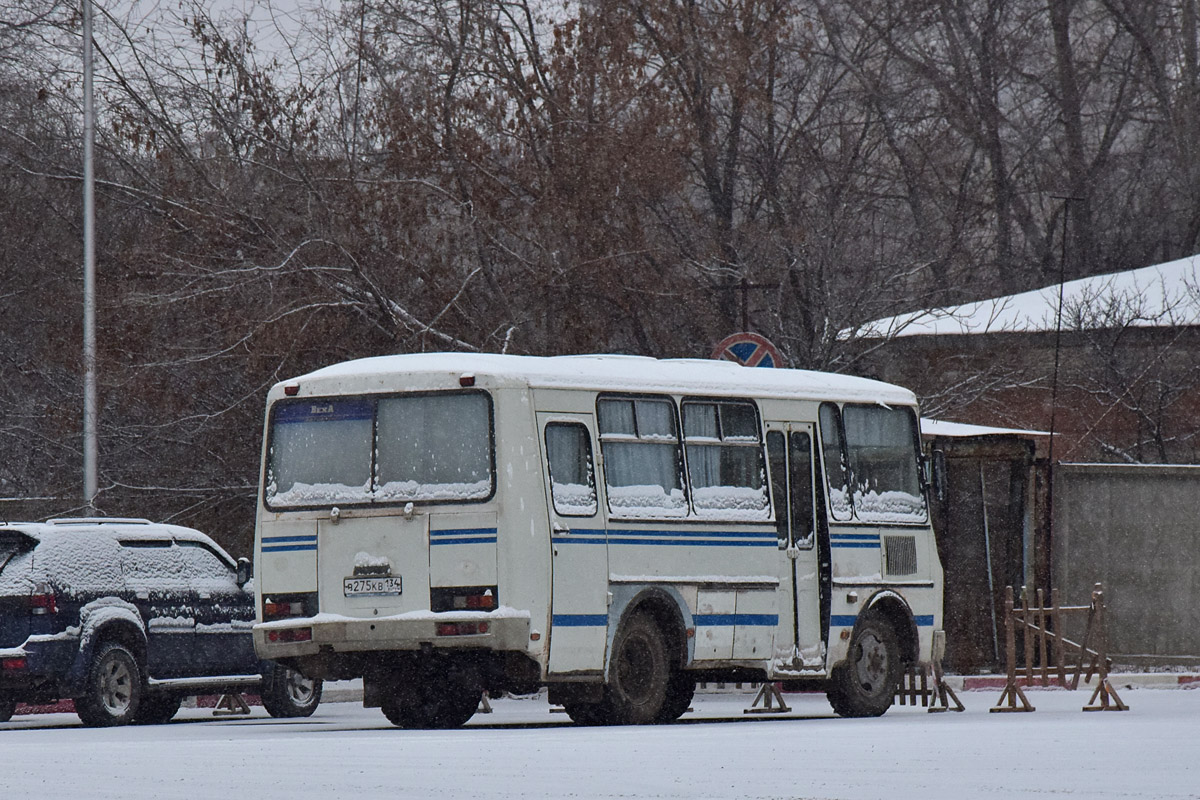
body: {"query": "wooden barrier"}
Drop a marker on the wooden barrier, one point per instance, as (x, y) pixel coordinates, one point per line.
(927, 683)
(1046, 647)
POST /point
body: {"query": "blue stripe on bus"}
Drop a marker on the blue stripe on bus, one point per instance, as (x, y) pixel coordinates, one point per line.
(692, 543)
(770, 620)
(310, 537)
(848, 620)
(668, 538)
(282, 548)
(854, 540)
(707, 534)
(580, 620)
(463, 536)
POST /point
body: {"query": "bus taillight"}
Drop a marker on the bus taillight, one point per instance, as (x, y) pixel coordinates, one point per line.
(462, 628)
(286, 635)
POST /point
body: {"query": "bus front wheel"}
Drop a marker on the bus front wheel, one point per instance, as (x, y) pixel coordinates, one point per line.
(864, 685)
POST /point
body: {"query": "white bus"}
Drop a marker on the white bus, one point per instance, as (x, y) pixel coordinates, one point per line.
(614, 528)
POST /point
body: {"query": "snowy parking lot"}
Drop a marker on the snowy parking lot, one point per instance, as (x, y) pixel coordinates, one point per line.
(524, 750)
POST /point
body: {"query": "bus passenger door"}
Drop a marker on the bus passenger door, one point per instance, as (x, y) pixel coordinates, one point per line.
(790, 455)
(579, 545)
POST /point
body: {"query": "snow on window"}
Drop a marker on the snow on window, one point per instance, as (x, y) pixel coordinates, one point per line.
(642, 463)
(569, 458)
(320, 452)
(649, 501)
(834, 460)
(874, 473)
(725, 461)
(434, 447)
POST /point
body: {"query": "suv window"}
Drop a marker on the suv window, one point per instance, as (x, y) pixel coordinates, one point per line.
(153, 562)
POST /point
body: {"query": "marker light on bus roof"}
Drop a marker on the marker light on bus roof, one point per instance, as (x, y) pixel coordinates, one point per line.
(292, 389)
(466, 379)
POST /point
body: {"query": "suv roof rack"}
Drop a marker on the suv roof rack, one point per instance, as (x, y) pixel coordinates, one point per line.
(99, 521)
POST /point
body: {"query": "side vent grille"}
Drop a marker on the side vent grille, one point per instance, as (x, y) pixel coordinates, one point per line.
(900, 554)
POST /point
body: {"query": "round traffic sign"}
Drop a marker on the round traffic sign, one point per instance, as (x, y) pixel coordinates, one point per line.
(749, 350)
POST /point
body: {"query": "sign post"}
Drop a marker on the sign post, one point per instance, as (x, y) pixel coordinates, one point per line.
(749, 350)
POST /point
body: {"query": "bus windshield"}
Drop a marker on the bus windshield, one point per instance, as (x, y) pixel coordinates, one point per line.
(362, 450)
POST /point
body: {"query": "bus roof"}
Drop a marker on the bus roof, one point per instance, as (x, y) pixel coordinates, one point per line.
(602, 373)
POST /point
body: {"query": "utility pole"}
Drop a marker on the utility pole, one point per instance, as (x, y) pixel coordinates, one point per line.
(90, 448)
(1062, 276)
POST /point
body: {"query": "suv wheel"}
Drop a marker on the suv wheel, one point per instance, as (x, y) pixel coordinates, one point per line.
(7, 707)
(287, 693)
(113, 690)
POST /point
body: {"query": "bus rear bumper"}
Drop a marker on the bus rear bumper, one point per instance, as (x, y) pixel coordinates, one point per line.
(308, 636)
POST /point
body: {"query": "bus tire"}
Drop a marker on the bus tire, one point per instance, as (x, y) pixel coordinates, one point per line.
(113, 690)
(639, 675)
(586, 713)
(444, 697)
(681, 688)
(8, 707)
(864, 685)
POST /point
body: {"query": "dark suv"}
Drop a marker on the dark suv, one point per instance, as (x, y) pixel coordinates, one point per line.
(128, 617)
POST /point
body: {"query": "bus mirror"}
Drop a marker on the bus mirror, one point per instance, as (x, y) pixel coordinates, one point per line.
(243, 571)
(937, 478)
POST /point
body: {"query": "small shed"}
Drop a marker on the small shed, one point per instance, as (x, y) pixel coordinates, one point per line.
(989, 519)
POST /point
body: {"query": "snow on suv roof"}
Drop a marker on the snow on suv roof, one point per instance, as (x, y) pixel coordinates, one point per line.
(603, 373)
(114, 528)
(84, 554)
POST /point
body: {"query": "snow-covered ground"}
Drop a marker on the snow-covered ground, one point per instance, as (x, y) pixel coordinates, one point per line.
(523, 750)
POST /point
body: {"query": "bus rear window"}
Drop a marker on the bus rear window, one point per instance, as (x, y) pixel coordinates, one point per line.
(320, 453)
(419, 448)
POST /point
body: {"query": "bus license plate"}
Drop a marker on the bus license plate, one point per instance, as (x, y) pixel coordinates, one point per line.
(370, 587)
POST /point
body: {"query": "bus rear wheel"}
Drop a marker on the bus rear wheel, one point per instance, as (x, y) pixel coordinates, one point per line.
(440, 696)
(864, 685)
(640, 674)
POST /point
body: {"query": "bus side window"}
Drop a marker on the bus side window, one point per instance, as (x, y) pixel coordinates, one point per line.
(572, 478)
(803, 510)
(836, 471)
(777, 465)
(642, 460)
(792, 486)
(724, 460)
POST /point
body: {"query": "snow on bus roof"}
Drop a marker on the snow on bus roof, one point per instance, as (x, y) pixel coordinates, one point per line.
(622, 372)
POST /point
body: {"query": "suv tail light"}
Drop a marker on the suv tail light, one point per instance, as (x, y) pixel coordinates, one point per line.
(43, 600)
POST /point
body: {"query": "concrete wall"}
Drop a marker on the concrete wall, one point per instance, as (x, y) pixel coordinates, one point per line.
(1136, 529)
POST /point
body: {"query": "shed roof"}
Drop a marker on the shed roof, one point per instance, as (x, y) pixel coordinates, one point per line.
(1163, 295)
